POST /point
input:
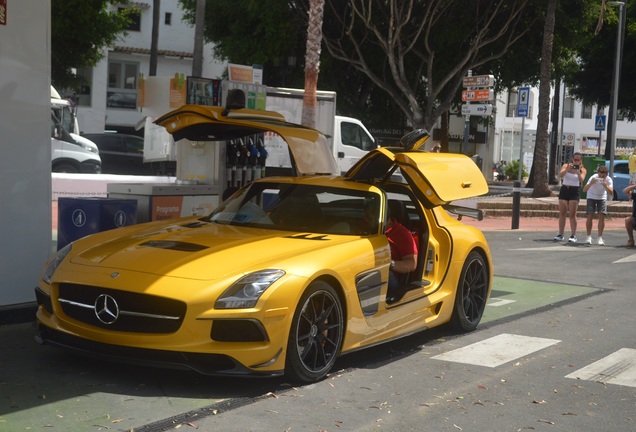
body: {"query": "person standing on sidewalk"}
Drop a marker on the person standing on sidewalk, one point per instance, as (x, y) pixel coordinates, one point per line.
(572, 175)
(597, 188)
(630, 221)
(632, 167)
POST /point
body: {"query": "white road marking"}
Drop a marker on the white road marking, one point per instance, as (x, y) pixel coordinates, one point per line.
(630, 258)
(617, 368)
(562, 248)
(496, 302)
(497, 350)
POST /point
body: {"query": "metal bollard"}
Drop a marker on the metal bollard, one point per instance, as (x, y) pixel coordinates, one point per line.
(516, 204)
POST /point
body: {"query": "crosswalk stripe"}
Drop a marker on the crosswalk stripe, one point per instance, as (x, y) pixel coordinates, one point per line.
(617, 368)
(497, 350)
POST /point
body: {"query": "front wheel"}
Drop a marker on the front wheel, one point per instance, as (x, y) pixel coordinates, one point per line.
(65, 168)
(471, 296)
(316, 334)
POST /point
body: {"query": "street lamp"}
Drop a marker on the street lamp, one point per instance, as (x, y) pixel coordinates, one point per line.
(617, 70)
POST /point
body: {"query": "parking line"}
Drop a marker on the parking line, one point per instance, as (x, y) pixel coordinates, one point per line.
(497, 350)
(617, 368)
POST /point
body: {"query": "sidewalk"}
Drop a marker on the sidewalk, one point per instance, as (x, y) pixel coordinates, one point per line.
(489, 223)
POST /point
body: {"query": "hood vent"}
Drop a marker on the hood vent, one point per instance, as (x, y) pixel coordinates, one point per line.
(174, 245)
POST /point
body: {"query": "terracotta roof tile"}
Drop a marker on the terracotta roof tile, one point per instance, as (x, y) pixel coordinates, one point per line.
(146, 51)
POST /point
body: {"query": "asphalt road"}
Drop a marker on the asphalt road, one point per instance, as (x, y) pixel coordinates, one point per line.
(556, 352)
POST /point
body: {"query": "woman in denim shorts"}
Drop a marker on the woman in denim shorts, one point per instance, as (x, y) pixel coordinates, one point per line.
(572, 175)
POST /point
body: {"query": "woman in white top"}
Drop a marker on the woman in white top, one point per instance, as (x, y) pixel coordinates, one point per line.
(572, 175)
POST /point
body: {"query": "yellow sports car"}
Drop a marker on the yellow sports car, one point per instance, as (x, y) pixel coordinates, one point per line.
(286, 274)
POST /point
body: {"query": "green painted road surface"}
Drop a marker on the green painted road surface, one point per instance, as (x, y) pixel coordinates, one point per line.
(515, 296)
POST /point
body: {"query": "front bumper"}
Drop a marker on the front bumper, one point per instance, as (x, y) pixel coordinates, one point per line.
(203, 363)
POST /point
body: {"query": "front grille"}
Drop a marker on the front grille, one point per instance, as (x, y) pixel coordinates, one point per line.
(121, 310)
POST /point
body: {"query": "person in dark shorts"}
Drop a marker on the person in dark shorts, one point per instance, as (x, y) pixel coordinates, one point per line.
(630, 221)
(572, 175)
(597, 187)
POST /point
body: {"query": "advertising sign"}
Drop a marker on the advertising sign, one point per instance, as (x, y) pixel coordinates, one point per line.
(524, 102)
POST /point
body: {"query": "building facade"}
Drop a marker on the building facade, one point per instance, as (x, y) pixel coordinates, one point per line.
(109, 100)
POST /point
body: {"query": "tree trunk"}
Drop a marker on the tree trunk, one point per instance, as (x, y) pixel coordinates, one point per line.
(556, 134)
(312, 61)
(540, 163)
(154, 42)
(199, 20)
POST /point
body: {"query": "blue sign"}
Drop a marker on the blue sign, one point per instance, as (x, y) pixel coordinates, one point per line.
(599, 124)
(523, 101)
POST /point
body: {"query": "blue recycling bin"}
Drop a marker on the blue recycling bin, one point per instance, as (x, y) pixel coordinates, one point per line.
(79, 217)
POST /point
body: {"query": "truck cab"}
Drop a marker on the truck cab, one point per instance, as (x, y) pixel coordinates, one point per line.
(351, 141)
(70, 152)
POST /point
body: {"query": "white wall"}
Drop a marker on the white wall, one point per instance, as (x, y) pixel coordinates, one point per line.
(25, 141)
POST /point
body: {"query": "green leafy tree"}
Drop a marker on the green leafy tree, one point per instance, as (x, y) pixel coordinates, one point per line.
(80, 30)
(592, 75)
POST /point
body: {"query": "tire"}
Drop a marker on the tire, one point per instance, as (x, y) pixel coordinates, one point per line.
(65, 168)
(470, 298)
(316, 334)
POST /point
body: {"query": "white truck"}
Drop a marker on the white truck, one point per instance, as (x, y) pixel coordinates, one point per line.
(70, 152)
(350, 139)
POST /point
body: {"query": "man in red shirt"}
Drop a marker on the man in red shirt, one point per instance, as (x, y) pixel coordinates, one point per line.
(403, 257)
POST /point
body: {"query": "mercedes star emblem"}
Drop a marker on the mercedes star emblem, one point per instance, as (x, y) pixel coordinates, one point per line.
(106, 309)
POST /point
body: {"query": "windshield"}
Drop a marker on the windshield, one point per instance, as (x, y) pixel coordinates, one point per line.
(306, 208)
(65, 116)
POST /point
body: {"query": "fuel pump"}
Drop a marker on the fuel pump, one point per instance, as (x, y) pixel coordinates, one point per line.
(262, 155)
(231, 157)
(242, 162)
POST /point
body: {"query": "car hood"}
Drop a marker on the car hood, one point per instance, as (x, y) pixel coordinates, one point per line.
(193, 249)
(309, 147)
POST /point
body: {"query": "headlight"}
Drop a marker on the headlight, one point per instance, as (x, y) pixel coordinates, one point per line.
(54, 263)
(245, 292)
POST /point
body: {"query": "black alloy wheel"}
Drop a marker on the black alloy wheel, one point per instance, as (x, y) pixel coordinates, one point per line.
(471, 296)
(316, 334)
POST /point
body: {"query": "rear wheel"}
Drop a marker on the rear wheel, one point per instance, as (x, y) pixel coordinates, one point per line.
(470, 299)
(316, 333)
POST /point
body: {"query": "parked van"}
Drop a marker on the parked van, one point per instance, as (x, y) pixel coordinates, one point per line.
(72, 153)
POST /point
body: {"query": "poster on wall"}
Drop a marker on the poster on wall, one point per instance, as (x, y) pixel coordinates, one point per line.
(203, 91)
(177, 90)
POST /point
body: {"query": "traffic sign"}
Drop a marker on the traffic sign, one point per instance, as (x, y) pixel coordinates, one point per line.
(477, 109)
(479, 81)
(478, 95)
(600, 123)
(523, 102)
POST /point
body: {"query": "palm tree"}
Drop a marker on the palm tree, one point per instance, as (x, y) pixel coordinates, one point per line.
(312, 61)
(540, 163)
